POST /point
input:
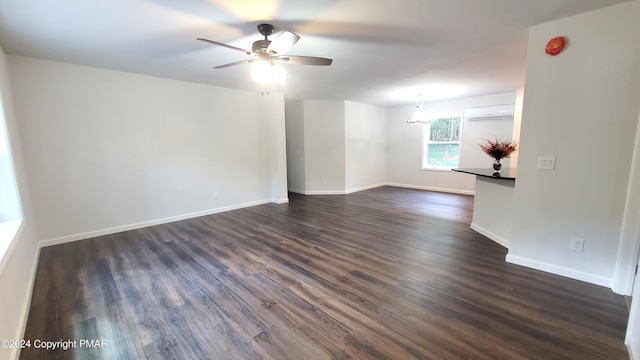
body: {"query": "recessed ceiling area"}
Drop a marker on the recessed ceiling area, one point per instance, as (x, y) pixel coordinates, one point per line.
(378, 47)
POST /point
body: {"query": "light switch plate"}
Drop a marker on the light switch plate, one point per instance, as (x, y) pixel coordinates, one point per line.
(546, 162)
(577, 244)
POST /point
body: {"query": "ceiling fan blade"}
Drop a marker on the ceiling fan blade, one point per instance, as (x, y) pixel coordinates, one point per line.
(225, 45)
(283, 42)
(305, 60)
(234, 63)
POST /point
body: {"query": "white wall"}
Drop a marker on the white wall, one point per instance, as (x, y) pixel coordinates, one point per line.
(18, 265)
(582, 107)
(365, 146)
(404, 144)
(106, 150)
(335, 147)
(324, 135)
(294, 113)
(271, 106)
(349, 146)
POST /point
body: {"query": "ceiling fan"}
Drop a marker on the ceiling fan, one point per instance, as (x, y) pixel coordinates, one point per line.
(271, 51)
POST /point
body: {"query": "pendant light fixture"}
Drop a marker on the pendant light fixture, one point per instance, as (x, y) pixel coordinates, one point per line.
(419, 116)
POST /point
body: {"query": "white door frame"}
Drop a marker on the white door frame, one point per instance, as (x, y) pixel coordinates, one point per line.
(629, 247)
(632, 339)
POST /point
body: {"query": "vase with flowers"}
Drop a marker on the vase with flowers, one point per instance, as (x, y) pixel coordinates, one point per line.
(498, 149)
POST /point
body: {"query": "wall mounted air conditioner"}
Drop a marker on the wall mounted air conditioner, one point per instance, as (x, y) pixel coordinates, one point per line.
(500, 112)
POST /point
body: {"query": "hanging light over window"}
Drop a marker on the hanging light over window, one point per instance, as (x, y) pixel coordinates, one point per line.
(419, 116)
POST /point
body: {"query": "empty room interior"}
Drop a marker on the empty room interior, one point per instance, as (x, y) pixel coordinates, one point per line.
(336, 179)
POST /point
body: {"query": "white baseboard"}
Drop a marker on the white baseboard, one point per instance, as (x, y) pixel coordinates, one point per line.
(117, 229)
(406, 186)
(350, 191)
(324, 192)
(24, 312)
(280, 201)
(559, 270)
(500, 240)
(337, 192)
(431, 188)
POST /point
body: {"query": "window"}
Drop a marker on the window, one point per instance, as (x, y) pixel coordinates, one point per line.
(441, 139)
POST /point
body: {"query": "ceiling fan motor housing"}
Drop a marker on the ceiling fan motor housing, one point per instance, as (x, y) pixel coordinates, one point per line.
(260, 45)
(265, 29)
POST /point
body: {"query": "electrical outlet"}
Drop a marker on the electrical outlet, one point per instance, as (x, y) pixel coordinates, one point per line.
(324, 181)
(577, 244)
(215, 196)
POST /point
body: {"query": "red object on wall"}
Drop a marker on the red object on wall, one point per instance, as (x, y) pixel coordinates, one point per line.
(555, 46)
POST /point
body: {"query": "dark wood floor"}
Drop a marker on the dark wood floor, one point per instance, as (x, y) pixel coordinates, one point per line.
(386, 273)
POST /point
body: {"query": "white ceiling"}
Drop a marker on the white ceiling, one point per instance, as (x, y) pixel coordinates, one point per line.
(378, 46)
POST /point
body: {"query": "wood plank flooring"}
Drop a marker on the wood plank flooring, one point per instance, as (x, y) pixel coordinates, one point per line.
(386, 273)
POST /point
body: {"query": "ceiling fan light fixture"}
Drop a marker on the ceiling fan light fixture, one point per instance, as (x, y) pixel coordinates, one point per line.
(277, 73)
(263, 71)
(266, 53)
(260, 71)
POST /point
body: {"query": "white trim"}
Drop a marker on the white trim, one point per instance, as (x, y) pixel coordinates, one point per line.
(362, 188)
(443, 169)
(431, 188)
(24, 312)
(632, 339)
(406, 186)
(482, 231)
(337, 192)
(634, 353)
(559, 270)
(629, 245)
(117, 229)
(280, 201)
(324, 192)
